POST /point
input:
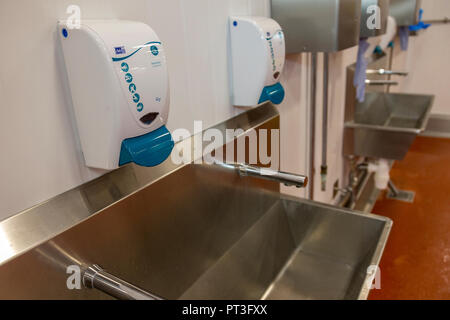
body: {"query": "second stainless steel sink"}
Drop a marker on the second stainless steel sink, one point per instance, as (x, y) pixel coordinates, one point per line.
(386, 124)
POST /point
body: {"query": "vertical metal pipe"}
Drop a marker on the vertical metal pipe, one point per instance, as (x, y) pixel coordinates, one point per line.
(391, 62)
(312, 120)
(324, 166)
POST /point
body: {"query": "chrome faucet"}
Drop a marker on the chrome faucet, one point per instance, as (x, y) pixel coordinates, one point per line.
(387, 72)
(381, 82)
(288, 179)
(94, 277)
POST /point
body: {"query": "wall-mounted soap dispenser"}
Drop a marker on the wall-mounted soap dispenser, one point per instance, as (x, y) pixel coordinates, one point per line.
(120, 91)
(258, 55)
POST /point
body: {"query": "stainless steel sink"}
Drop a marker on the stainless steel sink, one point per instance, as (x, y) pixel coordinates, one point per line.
(186, 231)
(221, 237)
(295, 249)
(386, 124)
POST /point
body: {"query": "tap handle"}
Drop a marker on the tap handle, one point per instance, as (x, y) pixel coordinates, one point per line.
(381, 82)
(386, 72)
(288, 179)
(95, 277)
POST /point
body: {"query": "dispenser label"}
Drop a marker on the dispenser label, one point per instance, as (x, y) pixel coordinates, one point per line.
(128, 77)
(278, 34)
(132, 87)
(156, 64)
(143, 77)
(154, 50)
(272, 54)
(120, 50)
(125, 67)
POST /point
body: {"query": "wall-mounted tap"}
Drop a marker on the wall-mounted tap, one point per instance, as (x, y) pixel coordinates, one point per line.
(289, 179)
(94, 277)
(381, 82)
(387, 72)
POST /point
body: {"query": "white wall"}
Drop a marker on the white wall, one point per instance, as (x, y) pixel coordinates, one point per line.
(295, 119)
(40, 153)
(427, 59)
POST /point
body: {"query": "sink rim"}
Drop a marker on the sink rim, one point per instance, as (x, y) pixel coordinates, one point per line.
(381, 244)
(378, 249)
(356, 125)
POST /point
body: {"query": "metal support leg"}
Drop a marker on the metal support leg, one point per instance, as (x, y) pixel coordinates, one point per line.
(393, 189)
(401, 195)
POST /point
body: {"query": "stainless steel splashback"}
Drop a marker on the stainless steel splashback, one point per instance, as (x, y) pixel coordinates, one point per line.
(405, 12)
(366, 14)
(318, 26)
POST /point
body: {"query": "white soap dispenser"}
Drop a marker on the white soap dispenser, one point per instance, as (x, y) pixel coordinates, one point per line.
(257, 59)
(120, 91)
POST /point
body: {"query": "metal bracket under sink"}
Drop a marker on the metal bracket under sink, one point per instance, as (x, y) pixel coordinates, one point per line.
(401, 195)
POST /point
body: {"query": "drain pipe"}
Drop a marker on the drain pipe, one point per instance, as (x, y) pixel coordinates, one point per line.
(312, 121)
(324, 166)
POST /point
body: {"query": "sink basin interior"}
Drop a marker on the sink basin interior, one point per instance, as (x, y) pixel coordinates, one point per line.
(385, 125)
(394, 110)
(221, 236)
(294, 251)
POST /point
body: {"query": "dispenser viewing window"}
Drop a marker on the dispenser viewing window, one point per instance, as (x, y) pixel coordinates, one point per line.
(120, 91)
(258, 55)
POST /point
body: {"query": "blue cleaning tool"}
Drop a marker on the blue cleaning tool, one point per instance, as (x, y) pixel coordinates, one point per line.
(421, 25)
(403, 34)
(404, 31)
(359, 80)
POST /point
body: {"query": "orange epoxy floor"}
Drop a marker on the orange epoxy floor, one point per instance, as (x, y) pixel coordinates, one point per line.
(416, 260)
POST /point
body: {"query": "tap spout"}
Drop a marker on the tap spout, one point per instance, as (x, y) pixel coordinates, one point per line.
(288, 179)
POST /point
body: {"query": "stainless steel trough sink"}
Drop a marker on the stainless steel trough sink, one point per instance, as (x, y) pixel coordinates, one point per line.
(386, 124)
(221, 236)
